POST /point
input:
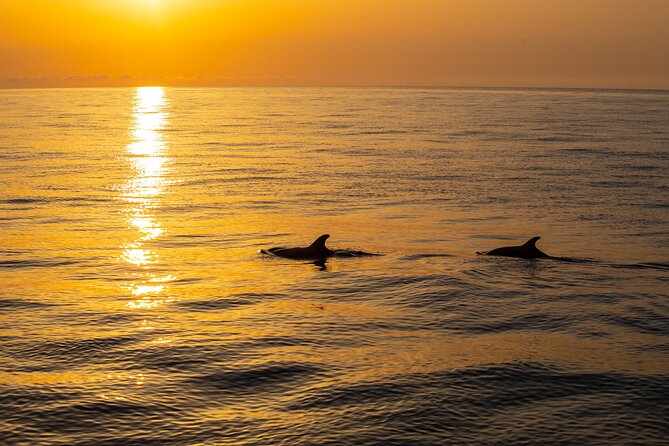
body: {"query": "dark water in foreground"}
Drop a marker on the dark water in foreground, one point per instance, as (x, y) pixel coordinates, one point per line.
(136, 309)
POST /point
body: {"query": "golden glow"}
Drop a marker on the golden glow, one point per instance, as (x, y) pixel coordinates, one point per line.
(147, 226)
(136, 256)
(147, 154)
(141, 290)
(328, 42)
(145, 303)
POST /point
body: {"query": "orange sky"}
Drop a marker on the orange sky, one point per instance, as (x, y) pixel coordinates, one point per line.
(552, 43)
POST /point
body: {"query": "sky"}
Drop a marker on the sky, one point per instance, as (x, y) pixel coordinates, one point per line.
(506, 43)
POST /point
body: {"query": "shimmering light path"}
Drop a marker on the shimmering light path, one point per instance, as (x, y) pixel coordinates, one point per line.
(147, 153)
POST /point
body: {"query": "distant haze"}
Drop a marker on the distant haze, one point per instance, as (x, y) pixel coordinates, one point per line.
(549, 43)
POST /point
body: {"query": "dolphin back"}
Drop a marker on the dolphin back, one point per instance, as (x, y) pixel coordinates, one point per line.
(527, 250)
(317, 250)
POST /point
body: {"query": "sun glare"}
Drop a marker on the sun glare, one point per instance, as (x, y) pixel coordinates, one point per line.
(147, 156)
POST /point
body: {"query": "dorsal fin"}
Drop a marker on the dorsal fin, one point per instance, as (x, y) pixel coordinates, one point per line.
(319, 243)
(530, 243)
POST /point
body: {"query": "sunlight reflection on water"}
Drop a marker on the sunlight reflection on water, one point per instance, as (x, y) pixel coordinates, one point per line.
(144, 190)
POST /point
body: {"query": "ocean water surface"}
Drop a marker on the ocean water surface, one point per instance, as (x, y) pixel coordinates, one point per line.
(135, 307)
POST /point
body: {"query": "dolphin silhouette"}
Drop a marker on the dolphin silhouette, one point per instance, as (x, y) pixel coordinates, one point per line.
(316, 251)
(528, 250)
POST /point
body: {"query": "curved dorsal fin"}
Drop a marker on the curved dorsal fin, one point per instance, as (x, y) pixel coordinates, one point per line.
(319, 243)
(530, 243)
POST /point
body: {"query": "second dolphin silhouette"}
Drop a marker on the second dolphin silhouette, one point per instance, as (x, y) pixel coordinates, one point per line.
(528, 250)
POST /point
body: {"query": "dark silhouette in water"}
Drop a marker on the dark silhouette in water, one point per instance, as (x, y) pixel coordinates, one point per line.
(316, 251)
(528, 250)
(321, 264)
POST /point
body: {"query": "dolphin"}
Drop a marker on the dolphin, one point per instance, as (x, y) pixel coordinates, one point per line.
(316, 251)
(528, 250)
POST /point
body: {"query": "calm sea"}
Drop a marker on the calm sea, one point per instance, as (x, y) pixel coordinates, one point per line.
(135, 307)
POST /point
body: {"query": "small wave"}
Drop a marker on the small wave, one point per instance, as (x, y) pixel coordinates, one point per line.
(214, 304)
(378, 132)
(580, 150)
(337, 126)
(353, 253)
(559, 138)
(24, 200)
(102, 409)
(654, 348)
(613, 184)
(352, 395)
(572, 259)
(36, 200)
(10, 304)
(496, 324)
(639, 320)
(338, 115)
(36, 263)
(184, 358)
(265, 376)
(656, 205)
(468, 133)
(664, 266)
(426, 256)
(63, 354)
(236, 144)
(533, 381)
(86, 419)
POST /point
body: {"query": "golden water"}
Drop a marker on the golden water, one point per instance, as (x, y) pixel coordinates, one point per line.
(136, 307)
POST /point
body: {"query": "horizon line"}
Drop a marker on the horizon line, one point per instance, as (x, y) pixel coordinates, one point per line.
(408, 86)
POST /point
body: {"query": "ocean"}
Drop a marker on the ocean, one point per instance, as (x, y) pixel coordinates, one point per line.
(137, 309)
